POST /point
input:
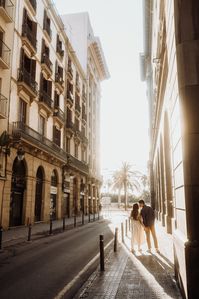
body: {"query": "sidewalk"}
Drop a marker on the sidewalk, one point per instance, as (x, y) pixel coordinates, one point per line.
(17, 235)
(137, 276)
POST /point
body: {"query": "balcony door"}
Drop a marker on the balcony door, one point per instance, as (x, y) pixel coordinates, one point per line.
(22, 111)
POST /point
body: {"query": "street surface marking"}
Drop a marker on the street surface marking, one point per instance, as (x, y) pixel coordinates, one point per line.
(74, 280)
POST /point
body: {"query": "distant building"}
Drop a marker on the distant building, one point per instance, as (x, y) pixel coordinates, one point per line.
(170, 67)
(53, 119)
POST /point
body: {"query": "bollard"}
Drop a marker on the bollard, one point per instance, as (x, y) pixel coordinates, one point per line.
(129, 223)
(1, 237)
(126, 227)
(115, 239)
(29, 232)
(122, 232)
(64, 223)
(51, 226)
(75, 220)
(101, 252)
(82, 218)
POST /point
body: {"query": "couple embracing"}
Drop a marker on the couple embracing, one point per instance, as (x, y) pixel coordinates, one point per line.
(141, 221)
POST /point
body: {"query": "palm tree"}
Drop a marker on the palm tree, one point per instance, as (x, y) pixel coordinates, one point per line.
(117, 185)
(127, 179)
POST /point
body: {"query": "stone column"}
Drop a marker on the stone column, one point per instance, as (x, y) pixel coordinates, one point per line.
(187, 49)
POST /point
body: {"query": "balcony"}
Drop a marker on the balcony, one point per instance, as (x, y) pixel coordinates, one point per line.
(29, 39)
(59, 115)
(46, 65)
(47, 30)
(3, 107)
(77, 164)
(32, 5)
(21, 130)
(70, 98)
(27, 83)
(4, 55)
(7, 10)
(70, 73)
(59, 82)
(45, 101)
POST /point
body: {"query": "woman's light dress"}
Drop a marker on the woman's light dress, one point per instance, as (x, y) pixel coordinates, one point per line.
(137, 232)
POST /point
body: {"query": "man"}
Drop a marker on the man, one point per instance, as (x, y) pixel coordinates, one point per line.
(148, 217)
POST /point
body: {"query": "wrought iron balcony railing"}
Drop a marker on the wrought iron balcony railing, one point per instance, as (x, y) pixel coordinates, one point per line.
(58, 113)
(70, 124)
(46, 60)
(5, 53)
(59, 78)
(31, 36)
(26, 77)
(45, 98)
(21, 130)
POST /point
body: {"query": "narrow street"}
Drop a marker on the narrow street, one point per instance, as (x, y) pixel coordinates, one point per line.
(40, 270)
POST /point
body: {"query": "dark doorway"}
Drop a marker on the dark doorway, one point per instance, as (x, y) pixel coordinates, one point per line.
(18, 187)
(38, 194)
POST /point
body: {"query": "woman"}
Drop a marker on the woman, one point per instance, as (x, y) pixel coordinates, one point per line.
(137, 228)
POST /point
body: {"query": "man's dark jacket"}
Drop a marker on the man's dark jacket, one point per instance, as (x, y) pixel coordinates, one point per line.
(148, 215)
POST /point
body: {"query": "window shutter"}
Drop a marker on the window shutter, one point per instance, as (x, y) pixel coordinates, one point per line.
(33, 68)
(49, 88)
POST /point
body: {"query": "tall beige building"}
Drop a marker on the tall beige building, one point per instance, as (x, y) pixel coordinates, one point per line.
(53, 163)
(170, 68)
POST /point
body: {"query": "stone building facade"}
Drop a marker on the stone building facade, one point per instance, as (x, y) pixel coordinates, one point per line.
(47, 123)
(170, 68)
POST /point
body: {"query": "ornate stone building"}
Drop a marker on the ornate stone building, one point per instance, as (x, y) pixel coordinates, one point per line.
(170, 68)
(48, 123)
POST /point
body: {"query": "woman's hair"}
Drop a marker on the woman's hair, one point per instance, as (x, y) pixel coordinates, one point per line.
(135, 211)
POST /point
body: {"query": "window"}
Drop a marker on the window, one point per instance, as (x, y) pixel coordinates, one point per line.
(41, 125)
(68, 145)
(76, 150)
(46, 24)
(56, 136)
(22, 111)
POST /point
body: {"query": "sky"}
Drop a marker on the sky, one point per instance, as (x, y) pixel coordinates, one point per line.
(124, 107)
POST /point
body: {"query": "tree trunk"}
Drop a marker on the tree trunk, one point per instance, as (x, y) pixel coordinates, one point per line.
(119, 198)
(125, 195)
